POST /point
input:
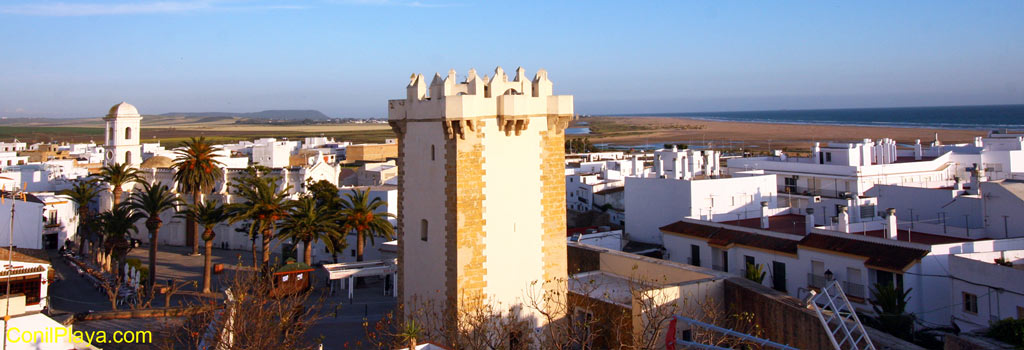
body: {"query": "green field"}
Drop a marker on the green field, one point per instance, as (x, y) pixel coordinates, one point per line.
(49, 133)
(172, 137)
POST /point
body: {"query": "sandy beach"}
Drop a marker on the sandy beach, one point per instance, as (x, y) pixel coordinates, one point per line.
(654, 130)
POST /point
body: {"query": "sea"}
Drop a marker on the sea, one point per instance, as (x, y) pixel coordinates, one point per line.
(951, 117)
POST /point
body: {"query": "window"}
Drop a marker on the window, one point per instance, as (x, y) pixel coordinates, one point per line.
(828, 157)
(423, 230)
(432, 154)
(970, 303)
(110, 135)
(128, 133)
(790, 185)
(748, 260)
(27, 285)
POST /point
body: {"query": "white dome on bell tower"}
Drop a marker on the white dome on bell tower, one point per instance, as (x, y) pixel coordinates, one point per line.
(122, 135)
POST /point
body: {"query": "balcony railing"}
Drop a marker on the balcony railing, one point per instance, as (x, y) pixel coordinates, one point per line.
(854, 290)
(718, 267)
(805, 191)
(816, 281)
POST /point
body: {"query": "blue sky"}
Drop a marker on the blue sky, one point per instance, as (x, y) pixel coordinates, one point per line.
(346, 58)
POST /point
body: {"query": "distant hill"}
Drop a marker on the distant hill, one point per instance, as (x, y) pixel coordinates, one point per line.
(279, 114)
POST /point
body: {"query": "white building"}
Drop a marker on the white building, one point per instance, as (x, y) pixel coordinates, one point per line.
(272, 153)
(947, 276)
(651, 203)
(60, 220)
(843, 173)
(14, 146)
(12, 158)
(49, 176)
(686, 164)
(28, 276)
(1000, 154)
(28, 219)
(581, 188)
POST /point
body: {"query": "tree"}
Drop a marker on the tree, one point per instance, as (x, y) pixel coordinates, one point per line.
(149, 203)
(755, 272)
(196, 172)
(264, 205)
(309, 223)
(360, 214)
(117, 175)
(118, 225)
(890, 304)
(251, 317)
(208, 214)
(325, 193)
(82, 193)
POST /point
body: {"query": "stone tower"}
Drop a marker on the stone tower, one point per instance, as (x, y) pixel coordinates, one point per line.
(123, 127)
(481, 188)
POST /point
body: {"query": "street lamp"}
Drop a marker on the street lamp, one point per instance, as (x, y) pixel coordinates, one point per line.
(828, 275)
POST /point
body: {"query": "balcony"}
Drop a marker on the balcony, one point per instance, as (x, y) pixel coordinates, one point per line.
(806, 191)
(718, 267)
(816, 281)
(854, 290)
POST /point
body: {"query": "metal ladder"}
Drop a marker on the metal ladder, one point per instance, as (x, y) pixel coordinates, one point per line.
(844, 328)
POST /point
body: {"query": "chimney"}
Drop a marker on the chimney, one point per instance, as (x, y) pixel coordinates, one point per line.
(918, 152)
(844, 219)
(764, 214)
(809, 220)
(658, 168)
(977, 177)
(890, 227)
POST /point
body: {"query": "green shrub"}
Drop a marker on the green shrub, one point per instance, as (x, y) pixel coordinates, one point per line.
(1008, 330)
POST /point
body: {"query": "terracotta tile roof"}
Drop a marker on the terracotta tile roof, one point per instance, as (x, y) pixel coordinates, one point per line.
(24, 255)
(786, 223)
(881, 256)
(724, 236)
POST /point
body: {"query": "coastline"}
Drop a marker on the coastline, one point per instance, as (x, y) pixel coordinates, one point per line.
(645, 130)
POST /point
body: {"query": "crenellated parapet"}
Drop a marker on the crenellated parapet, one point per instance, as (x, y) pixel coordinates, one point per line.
(462, 105)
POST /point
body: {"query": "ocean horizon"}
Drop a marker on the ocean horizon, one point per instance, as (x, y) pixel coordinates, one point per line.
(982, 117)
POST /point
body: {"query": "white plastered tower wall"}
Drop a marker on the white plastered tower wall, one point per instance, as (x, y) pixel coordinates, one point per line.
(123, 125)
(481, 178)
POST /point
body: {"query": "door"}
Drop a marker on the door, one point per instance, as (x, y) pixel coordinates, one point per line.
(694, 255)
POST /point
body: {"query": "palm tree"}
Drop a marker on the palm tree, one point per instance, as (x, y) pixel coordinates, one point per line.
(359, 213)
(82, 193)
(117, 226)
(149, 203)
(208, 214)
(196, 173)
(309, 223)
(264, 205)
(117, 175)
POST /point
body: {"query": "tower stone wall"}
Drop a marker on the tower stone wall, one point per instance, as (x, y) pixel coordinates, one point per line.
(481, 188)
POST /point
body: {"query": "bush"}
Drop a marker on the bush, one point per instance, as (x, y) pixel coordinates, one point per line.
(1008, 330)
(137, 264)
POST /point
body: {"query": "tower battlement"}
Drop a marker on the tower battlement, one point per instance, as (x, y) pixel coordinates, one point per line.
(477, 97)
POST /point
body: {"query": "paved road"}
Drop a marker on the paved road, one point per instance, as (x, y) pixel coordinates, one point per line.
(73, 293)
